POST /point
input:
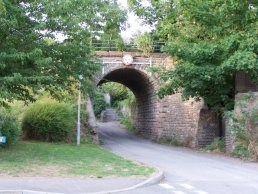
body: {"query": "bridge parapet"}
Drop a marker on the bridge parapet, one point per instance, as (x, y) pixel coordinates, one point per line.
(155, 47)
(114, 60)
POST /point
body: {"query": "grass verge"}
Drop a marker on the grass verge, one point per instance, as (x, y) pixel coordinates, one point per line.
(66, 160)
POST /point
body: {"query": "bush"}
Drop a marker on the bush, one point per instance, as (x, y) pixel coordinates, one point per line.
(98, 103)
(9, 127)
(241, 151)
(128, 124)
(217, 145)
(48, 121)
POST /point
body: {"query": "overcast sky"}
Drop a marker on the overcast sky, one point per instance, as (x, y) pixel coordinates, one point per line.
(134, 22)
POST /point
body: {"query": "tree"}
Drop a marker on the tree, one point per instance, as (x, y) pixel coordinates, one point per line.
(144, 43)
(46, 44)
(211, 41)
(158, 14)
(109, 37)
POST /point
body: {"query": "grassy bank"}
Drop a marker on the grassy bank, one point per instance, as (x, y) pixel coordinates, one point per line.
(47, 159)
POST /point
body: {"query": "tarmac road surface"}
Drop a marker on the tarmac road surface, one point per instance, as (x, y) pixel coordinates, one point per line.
(186, 171)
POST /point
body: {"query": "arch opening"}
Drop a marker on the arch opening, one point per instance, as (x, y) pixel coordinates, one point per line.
(143, 89)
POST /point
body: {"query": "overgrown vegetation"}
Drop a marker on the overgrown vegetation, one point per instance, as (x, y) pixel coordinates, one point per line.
(218, 145)
(129, 101)
(144, 43)
(210, 42)
(173, 141)
(127, 122)
(48, 159)
(117, 92)
(244, 128)
(9, 127)
(48, 121)
(47, 118)
(98, 103)
(45, 46)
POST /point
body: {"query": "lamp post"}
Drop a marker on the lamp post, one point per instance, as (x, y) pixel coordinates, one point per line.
(79, 112)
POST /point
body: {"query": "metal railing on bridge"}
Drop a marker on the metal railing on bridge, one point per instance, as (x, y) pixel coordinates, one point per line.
(155, 47)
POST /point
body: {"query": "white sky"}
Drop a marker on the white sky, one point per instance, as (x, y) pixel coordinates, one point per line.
(135, 26)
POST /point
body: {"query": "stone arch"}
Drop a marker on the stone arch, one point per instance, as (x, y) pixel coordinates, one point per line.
(143, 87)
(169, 118)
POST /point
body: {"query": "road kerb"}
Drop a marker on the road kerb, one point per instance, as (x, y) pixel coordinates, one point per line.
(150, 181)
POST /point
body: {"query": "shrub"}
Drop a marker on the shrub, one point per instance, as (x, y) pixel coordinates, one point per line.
(128, 124)
(48, 121)
(241, 151)
(9, 127)
(144, 43)
(98, 103)
(218, 144)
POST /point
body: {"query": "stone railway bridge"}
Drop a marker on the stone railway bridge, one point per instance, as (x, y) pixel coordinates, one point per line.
(169, 118)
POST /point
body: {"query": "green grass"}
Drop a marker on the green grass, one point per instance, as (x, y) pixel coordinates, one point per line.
(47, 159)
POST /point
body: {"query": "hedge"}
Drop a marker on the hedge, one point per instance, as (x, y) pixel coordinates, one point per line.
(48, 121)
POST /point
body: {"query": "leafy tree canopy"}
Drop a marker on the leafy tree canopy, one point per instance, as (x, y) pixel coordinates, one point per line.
(210, 41)
(144, 43)
(109, 37)
(32, 54)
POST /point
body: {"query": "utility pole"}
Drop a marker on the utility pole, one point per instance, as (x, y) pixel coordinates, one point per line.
(79, 113)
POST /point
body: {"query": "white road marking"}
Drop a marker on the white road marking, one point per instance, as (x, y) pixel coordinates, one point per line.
(187, 186)
(179, 192)
(166, 186)
(201, 192)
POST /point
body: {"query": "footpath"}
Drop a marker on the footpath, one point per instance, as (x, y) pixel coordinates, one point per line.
(46, 185)
(11, 185)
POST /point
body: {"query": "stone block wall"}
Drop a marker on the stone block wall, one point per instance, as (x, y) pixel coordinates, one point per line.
(229, 139)
(208, 127)
(180, 119)
(250, 105)
(172, 118)
(249, 124)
